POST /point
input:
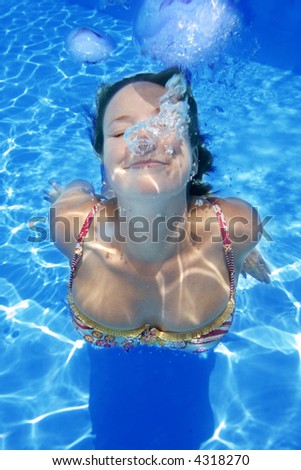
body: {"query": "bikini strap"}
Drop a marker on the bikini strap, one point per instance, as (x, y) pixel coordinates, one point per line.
(227, 245)
(78, 252)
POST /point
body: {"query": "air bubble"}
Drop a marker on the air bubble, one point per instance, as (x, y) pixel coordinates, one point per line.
(173, 117)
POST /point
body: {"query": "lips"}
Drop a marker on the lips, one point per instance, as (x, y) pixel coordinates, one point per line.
(147, 164)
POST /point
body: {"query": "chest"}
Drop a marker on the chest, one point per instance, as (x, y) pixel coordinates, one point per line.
(179, 295)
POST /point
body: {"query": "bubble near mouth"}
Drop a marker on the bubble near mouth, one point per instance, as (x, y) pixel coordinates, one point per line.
(172, 118)
(140, 147)
(169, 151)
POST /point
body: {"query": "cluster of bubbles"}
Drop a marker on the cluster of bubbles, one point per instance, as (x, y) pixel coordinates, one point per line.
(185, 32)
(172, 118)
(88, 46)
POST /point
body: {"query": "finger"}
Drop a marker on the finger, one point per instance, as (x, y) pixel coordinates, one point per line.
(264, 268)
(257, 274)
(264, 264)
(56, 186)
(51, 196)
(267, 268)
(266, 277)
(263, 275)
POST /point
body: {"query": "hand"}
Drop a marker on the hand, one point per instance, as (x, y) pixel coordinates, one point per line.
(255, 266)
(51, 195)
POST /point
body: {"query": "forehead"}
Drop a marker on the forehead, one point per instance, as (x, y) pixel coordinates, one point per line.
(131, 97)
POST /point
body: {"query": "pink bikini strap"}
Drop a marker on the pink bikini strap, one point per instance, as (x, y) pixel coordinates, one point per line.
(78, 252)
(228, 249)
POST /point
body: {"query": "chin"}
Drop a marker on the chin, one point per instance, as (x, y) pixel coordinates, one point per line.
(150, 183)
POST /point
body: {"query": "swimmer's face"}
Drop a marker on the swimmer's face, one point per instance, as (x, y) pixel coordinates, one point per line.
(154, 171)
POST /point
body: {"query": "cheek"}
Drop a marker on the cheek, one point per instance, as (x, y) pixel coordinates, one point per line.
(115, 148)
(112, 152)
(185, 158)
(113, 156)
(108, 161)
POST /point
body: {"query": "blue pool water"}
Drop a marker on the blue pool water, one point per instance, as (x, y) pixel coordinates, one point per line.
(250, 110)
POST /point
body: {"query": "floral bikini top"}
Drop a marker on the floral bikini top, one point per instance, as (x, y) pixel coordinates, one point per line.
(196, 341)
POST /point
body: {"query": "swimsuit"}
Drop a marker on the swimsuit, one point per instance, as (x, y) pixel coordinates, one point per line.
(196, 341)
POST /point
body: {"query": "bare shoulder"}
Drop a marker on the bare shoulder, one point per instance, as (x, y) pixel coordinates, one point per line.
(234, 206)
(243, 222)
(68, 213)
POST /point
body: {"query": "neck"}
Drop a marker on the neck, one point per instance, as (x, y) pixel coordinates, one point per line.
(153, 228)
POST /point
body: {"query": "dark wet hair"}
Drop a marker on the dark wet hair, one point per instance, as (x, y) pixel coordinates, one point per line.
(106, 93)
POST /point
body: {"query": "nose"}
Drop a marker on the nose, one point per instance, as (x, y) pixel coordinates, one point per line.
(143, 145)
(140, 141)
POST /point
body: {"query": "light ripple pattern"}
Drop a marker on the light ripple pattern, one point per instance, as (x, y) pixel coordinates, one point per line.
(251, 115)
